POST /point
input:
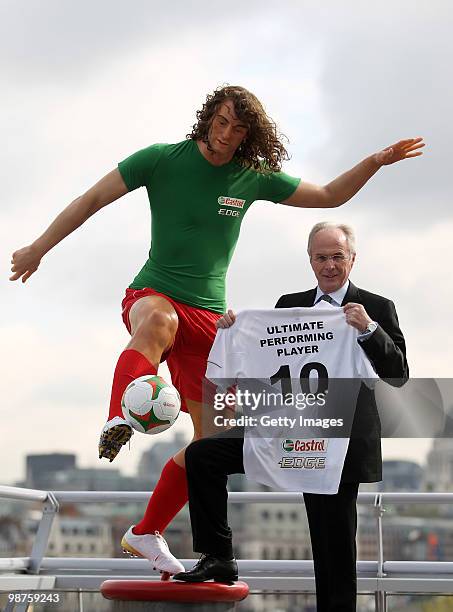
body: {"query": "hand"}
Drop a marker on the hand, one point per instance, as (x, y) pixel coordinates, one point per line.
(24, 262)
(357, 316)
(400, 150)
(226, 320)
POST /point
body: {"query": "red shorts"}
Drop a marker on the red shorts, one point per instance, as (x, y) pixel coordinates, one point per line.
(188, 356)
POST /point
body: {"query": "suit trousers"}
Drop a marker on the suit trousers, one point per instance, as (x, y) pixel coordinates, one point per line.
(332, 519)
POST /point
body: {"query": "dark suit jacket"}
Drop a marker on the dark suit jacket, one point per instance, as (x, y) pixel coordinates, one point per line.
(386, 350)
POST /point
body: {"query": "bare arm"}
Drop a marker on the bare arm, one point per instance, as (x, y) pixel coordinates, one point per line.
(345, 186)
(25, 261)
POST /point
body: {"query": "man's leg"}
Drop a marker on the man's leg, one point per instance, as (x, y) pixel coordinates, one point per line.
(209, 461)
(333, 525)
(187, 364)
(153, 324)
(196, 332)
(170, 493)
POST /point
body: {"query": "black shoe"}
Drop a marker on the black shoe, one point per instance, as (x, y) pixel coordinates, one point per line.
(210, 567)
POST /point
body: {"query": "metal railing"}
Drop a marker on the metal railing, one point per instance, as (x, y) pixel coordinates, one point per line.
(380, 577)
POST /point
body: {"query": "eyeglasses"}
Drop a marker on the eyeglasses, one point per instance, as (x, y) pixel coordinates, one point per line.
(320, 259)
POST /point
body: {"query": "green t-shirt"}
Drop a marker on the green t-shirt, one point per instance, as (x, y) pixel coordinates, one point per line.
(197, 211)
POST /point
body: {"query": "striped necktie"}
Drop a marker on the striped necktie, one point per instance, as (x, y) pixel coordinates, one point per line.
(326, 298)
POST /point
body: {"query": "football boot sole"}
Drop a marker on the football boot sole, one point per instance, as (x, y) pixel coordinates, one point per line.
(112, 440)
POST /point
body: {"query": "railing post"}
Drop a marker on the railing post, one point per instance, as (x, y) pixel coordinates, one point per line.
(50, 509)
(380, 595)
(80, 600)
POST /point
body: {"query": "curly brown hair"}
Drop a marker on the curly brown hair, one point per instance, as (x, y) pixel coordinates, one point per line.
(262, 148)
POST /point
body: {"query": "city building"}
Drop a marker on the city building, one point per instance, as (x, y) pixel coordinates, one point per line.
(401, 476)
(439, 466)
(80, 536)
(40, 467)
(153, 460)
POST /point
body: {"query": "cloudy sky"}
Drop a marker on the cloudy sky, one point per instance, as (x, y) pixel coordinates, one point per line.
(86, 84)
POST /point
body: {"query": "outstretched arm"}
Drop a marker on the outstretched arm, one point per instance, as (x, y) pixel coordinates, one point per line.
(25, 261)
(344, 187)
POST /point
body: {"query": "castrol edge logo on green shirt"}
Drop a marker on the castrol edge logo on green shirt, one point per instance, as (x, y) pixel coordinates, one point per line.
(233, 202)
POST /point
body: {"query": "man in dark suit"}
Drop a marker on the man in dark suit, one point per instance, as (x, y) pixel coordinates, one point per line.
(332, 518)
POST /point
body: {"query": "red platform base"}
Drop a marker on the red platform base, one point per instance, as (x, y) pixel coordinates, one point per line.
(172, 590)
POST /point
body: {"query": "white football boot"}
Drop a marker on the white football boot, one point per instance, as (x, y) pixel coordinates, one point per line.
(152, 547)
(114, 435)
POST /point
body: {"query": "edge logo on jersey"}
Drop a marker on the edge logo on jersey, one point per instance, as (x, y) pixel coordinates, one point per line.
(228, 212)
(309, 463)
(324, 358)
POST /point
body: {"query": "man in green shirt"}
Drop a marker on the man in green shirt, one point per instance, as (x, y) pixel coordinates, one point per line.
(199, 191)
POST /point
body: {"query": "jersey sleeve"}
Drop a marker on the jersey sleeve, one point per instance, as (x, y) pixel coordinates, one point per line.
(223, 363)
(137, 169)
(277, 186)
(364, 368)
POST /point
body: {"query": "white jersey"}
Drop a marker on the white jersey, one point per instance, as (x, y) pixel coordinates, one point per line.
(315, 350)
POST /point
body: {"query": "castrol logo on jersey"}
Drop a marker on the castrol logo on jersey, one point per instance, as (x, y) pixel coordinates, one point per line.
(226, 201)
(301, 446)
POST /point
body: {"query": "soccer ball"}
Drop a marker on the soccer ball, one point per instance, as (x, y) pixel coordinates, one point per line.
(150, 404)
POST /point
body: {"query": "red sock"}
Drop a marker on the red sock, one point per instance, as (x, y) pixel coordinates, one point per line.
(131, 364)
(169, 496)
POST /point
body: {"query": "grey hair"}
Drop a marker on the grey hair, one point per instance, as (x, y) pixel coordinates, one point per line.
(346, 229)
